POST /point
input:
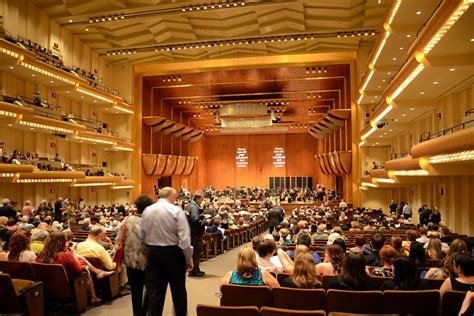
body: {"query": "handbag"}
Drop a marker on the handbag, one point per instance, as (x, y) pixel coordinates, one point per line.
(120, 247)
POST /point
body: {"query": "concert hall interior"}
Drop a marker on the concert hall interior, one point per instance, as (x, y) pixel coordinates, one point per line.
(355, 106)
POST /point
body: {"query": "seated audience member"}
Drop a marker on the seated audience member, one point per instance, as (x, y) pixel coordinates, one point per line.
(286, 261)
(353, 276)
(405, 278)
(55, 251)
(19, 248)
(247, 271)
(334, 258)
(7, 210)
(24, 225)
(321, 233)
(387, 253)
(418, 254)
(447, 270)
(341, 243)
(359, 241)
(396, 242)
(411, 238)
(372, 251)
(355, 227)
(214, 229)
(285, 238)
(38, 237)
(423, 239)
(304, 239)
(304, 273)
(464, 279)
(433, 250)
(266, 259)
(446, 235)
(91, 248)
(467, 308)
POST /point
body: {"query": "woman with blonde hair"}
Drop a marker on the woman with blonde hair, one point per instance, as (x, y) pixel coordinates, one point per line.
(434, 249)
(304, 273)
(447, 270)
(287, 262)
(247, 271)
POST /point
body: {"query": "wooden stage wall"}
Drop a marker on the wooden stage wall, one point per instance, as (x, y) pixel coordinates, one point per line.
(216, 164)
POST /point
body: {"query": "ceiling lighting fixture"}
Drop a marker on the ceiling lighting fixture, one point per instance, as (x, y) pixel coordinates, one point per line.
(119, 108)
(119, 187)
(452, 69)
(368, 184)
(109, 18)
(42, 180)
(465, 4)
(368, 133)
(407, 81)
(435, 82)
(383, 180)
(418, 12)
(362, 143)
(240, 41)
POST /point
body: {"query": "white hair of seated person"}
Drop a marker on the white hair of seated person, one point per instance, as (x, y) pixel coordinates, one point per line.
(6, 202)
(25, 219)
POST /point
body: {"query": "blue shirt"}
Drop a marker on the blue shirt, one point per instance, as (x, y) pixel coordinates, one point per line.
(256, 279)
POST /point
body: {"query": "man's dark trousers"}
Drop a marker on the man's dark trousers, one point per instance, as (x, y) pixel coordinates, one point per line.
(166, 265)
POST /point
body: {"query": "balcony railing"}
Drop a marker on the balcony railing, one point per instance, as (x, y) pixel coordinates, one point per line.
(427, 135)
(399, 155)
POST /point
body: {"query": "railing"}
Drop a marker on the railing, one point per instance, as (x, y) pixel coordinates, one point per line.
(47, 56)
(468, 112)
(399, 155)
(427, 135)
(54, 112)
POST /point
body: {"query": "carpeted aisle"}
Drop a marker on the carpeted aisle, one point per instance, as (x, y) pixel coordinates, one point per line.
(200, 290)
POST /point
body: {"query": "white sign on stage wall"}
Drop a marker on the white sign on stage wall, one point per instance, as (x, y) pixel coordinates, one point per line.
(279, 157)
(241, 158)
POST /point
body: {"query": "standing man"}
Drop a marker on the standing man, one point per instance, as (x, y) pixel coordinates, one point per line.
(196, 221)
(407, 211)
(165, 232)
(274, 217)
(58, 209)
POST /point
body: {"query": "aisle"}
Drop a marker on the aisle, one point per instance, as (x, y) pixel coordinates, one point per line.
(200, 290)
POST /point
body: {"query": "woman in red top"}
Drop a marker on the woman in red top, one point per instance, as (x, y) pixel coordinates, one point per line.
(55, 251)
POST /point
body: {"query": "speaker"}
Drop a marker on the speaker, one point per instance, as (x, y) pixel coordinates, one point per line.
(271, 183)
(104, 164)
(287, 182)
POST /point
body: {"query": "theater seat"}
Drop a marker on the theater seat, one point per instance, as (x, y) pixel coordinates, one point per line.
(411, 302)
(272, 311)
(363, 302)
(17, 270)
(108, 286)
(207, 310)
(451, 303)
(244, 295)
(58, 288)
(25, 299)
(303, 299)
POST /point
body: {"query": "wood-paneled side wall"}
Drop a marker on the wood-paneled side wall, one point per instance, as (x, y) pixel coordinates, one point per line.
(218, 166)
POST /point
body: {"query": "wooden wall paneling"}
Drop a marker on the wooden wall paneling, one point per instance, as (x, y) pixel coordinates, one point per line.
(180, 165)
(161, 161)
(189, 167)
(171, 163)
(149, 163)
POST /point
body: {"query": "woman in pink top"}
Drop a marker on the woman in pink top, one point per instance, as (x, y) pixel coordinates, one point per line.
(28, 210)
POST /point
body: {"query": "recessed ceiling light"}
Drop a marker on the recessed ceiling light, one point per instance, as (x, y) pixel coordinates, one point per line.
(372, 101)
(389, 73)
(11, 67)
(412, 109)
(33, 75)
(394, 58)
(51, 81)
(383, 80)
(435, 82)
(381, 136)
(377, 143)
(404, 115)
(396, 120)
(87, 30)
(452, 69)
(408, 35)
(418, 12)
(472, 39)
(401, 48)
(70, 21)
(379, 87)
(10, 125)
(390, 130)
(385, 133)
(422, 92)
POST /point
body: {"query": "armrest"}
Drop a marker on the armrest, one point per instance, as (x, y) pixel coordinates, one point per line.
(32, 287)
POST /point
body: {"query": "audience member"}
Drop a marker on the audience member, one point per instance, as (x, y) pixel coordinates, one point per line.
(334, 258)
(371, 252)
(304, 274)
(387, 253)
(464, 270)
(247, 271)
(19, 248)
(353, 276)
(359, 241)
(38, 238)
(405, 276)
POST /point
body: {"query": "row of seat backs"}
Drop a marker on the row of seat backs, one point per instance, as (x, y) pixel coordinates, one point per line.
(207, 310)
(372, 302)
(56, 283)
(432, 284)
